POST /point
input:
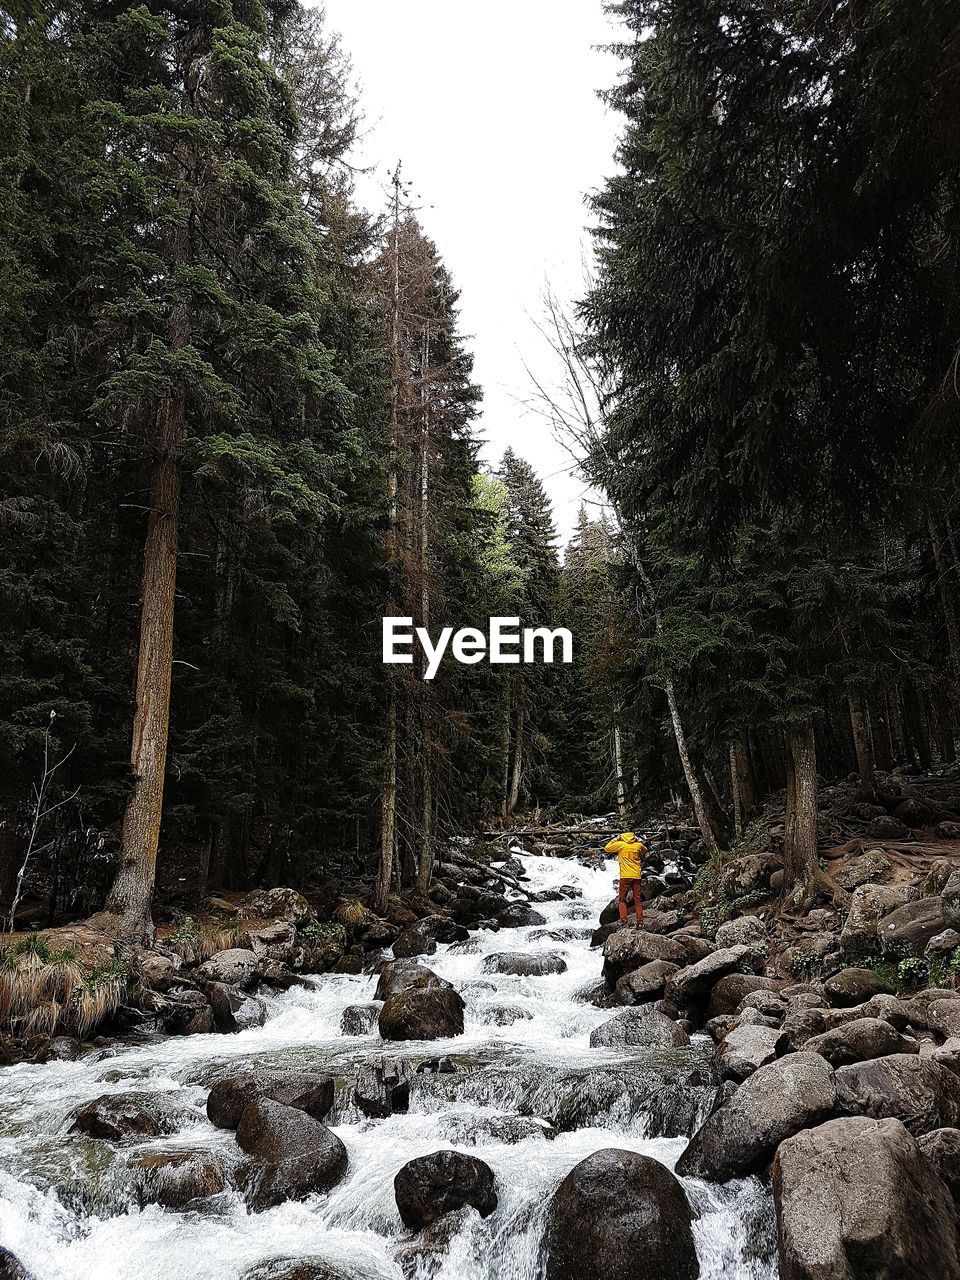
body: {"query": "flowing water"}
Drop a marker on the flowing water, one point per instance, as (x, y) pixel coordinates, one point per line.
(531, 1098)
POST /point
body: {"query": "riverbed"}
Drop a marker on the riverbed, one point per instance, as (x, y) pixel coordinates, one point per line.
(528, 1095)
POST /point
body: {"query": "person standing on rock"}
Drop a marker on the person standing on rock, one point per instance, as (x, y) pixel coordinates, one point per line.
(629, 851)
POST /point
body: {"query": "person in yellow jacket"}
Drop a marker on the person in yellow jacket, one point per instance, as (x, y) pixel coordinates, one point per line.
(629, 851)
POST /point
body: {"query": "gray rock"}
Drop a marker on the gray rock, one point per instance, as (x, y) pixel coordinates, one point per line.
(777, 1101)
(941, 1147)
(126, 1117)
(871, 865)
(158, 970)
(693, 984)
(292, 1155)
(744, 931)
(728, 994)
(854, 986)
(618, 1214)
(629, 949)
(647, 983)
(857, 1041)
(172, 1179)
(236, 967)
(431, 1186)
(415, 941)
(359, 1019)
(869, 904)
(943, 1016)
(430, 1012)
(400, 975)
(305, 1091)
(746, 1048)
(638, 1027)
(524, 964)
(856, 1200)
(907, 930)
(922, 1094)
(383, 1087)
(11, 1268)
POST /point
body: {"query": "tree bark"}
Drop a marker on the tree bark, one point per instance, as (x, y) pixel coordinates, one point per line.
(863, 743)
(801, 870)
(505, 750)
(618, 766)
(517, 776)
(388, 811)
(693, 786)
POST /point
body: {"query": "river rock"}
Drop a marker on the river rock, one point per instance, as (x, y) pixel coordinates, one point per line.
(359, 1019)
(856, 1200)
(746, 1048)
(121, 1117)
(854, 986)
(777, 1101)
(647, 983)
(305, 1091)
(158, 970)
(868, 905)
(857, 1041)
(941, 1147)
(618, 1214)
(744, 931)
(727, 995)
(907, 930)
(431, 1186)
(638, 1027)
(232, 1010)
(628, 949)
(186, 1012)
(279, 904)
(293, 1155)
(236, 967)
(172, 1179)
(295, 1269)
(871, 865)
(11, 1268)
(695, 947)
(943, 1016)
(383, 1087)
(400, 976)
(276, 941)
(887, 827)
(694, 983)
(430, 1012)
(518, 915)
(921, 1093)
(524, 964)
(415, 941)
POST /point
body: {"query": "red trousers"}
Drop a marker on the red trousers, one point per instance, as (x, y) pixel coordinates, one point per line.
(625, 887)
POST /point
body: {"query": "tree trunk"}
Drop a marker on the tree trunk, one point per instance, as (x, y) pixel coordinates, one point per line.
(517, 775)
(863, 743)
(388, 811)
(736, 790)
(946, 599)
(618, 766)
(882, 738)
(693, 786)
(898, 743)
(801, 870)
(505, 750)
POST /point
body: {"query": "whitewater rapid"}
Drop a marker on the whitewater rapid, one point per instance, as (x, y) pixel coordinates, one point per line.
(67, 1202)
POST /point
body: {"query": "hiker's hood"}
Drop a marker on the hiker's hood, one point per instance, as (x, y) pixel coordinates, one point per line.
(629, 837)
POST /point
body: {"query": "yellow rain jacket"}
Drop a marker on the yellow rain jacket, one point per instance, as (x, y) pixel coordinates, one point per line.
(629, 851)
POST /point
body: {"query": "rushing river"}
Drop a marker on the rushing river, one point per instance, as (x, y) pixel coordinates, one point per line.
(67, 1202)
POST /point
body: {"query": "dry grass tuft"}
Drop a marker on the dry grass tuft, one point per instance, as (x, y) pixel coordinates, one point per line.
(43, 991)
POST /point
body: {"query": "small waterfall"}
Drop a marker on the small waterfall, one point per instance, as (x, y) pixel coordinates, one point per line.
(529, 1096)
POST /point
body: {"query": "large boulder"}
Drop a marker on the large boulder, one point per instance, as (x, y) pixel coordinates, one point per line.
(292, 1155)
(777, 1101)
(919, 1092)
(727, 995)
(431, 1186)
(400, 976)
(525, 964)
(854, 986)
(173, 1179)
(186, 1012)
(639, 1027)
(303, 1090)
(744, 931)
(236, 967)
(618, 1214)
(359, 1019)
(943, 1016)
(122, 1117)
(433, 1011)
(868, 905)
(645, 984)
(858, 1041)
(871, 865)
(383, 1087)
(415, 941)
(745, 1049)
(941, 1147)
(628, 949)
(907, 930)
(693, 984)
(856, 1200)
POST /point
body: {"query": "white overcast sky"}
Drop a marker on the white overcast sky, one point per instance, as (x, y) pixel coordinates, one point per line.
(493, 110)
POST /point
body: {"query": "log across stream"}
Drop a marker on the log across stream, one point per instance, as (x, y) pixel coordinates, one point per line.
(528, 1096)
